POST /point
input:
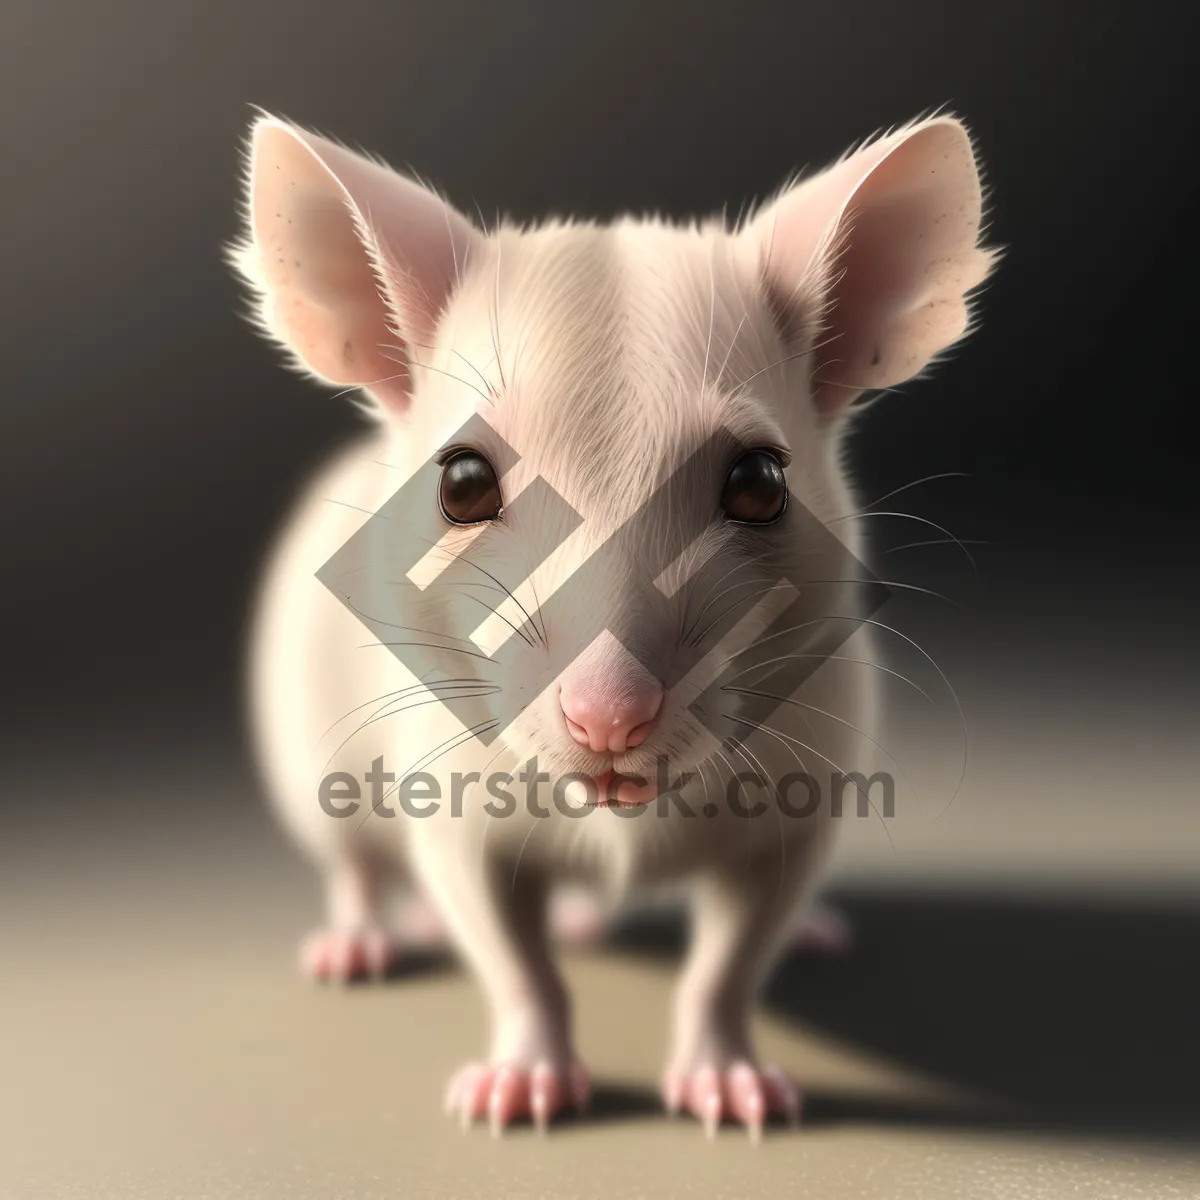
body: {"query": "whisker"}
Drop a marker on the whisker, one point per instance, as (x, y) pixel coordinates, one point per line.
(813, 750)
(780, 362)
(854, 387)
(833, 717)
(938, 542)
(482, 377)
(712, 313)
(770, 637)
(356, 507)
(365, 616)
(729, 350)
(891, 583)
(537, 607)
(520, 853)
(356, 387)
(739, 566)
(499, 587)
(962, 716)
(858, 516)
(917, 483)
(424, 366)
(441, 749)
(496, 613)
(716, 583)
(428, 646)
(461, 556)
(717, 620)
(464, 692)
(861, 662)
(414, 687)
(764, 775)
(494, 318)
(475, 566)
(861, 621)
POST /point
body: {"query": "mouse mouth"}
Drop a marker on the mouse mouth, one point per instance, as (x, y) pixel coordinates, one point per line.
(616, 790)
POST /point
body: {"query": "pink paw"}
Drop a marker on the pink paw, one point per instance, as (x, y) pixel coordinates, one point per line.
(345, 954)
(506, 1092)
(822, 931)
(739, 1093)
(577, 919)
(421, 925)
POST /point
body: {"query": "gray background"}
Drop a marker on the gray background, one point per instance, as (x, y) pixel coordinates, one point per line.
(150, 441)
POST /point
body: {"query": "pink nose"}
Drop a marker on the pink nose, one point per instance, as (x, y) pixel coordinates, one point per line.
(606, 724)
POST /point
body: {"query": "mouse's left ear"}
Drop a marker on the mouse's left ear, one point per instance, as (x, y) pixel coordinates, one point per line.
(872, 261)
(350, 262)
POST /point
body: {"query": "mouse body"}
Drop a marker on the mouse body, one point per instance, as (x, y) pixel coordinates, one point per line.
(584, 605)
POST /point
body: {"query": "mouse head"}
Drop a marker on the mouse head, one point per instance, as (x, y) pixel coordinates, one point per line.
(619, 444)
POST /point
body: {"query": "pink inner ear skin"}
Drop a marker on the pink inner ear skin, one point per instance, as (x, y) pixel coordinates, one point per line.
(352, 260)
(884, 244)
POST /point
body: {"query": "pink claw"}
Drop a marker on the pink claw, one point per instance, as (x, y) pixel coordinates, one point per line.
(740, 1093)
(460, 1091)
(704, 1099)
(342, 955)
(747, 1098)
(511, 1095)
(545, 1095)
(506, 1092)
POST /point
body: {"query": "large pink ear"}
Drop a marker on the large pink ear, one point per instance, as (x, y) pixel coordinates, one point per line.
(352, 264)
(872, 261)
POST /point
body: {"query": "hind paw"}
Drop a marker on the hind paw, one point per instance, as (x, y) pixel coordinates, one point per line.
(740, 1093)
(341, 955)
(577, 918)
(822, 932)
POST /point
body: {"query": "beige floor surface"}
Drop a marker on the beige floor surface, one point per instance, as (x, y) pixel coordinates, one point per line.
(155, 1041)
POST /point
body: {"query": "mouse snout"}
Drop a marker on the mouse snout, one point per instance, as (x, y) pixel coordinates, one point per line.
(610, 714)
(611, 724)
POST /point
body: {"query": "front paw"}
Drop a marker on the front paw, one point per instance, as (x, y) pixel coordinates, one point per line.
(345, 954)
(504, 1092)
(822, 932)
(737, 1091)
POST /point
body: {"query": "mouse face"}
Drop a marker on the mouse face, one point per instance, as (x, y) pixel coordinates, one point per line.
(639, 373)
(624, 437)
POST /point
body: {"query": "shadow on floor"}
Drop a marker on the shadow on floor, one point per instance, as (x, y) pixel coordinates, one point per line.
(1083, 1019)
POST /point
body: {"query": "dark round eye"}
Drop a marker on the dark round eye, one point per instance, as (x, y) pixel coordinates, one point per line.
(755, 489)
(469, 491)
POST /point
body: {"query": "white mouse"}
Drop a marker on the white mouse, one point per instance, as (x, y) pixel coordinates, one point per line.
(618, 451)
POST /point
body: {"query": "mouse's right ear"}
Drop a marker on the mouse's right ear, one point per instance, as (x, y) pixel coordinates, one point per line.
(351, 263)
